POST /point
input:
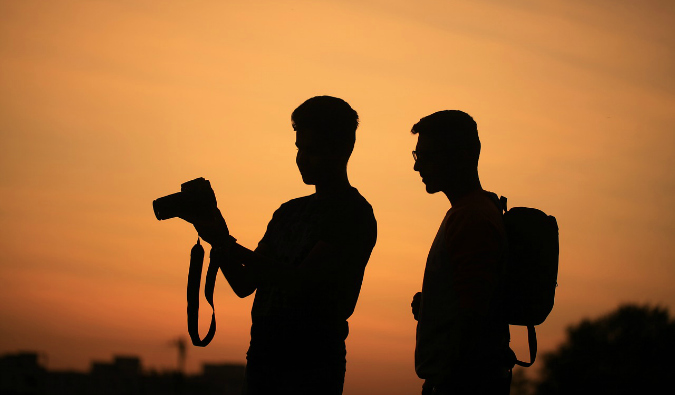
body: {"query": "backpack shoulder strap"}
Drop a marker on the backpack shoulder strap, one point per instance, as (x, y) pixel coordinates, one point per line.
(502, 201)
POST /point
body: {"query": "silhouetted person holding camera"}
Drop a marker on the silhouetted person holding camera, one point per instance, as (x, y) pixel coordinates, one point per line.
(308, 268)
(462, 342)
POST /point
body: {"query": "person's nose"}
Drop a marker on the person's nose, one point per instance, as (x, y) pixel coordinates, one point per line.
(416, 166)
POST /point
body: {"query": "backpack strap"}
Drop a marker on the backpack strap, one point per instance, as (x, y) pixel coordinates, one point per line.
(194, 280)
(502, 202)
(532, 343)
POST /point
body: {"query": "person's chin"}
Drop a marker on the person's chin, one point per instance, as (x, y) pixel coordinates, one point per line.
(308, 180)
(431, 189)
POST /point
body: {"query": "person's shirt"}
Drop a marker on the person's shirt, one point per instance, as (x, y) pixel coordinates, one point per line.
(459, 325)
(309, 320)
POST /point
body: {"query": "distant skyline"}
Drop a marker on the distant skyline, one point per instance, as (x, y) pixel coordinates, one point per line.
(42, 360)
(107, 105)
(28, 372)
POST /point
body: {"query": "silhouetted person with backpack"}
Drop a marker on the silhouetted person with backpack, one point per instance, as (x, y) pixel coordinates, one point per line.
(308, 268)
(462, 339)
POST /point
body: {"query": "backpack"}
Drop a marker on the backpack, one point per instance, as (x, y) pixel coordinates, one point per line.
(531, 270)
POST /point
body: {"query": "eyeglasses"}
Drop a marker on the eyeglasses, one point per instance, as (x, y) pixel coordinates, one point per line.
(426, 154)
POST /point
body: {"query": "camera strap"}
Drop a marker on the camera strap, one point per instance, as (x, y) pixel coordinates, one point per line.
(194, 281)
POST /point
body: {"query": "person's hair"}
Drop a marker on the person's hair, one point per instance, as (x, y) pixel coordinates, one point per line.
(331, 117)
(455, 130)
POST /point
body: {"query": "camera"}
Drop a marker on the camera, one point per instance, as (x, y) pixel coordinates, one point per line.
(195, 200)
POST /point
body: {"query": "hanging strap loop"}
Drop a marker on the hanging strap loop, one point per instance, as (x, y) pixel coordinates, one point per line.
(532, 343)
(194, 280)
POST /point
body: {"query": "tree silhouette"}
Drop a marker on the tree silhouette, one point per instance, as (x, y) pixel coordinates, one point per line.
(629, 351)
(520, 383)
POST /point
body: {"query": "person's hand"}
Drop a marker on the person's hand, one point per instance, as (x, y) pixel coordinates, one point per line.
(205, 215)
(417, 299)
(212, 229)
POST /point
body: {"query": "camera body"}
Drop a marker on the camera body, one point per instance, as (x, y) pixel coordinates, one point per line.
(195, 200)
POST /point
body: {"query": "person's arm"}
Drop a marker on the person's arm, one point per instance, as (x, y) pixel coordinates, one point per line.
(213, 230)
(245, 269)
(239, 277)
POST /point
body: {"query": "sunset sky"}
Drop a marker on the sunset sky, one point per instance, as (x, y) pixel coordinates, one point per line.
(107, 105)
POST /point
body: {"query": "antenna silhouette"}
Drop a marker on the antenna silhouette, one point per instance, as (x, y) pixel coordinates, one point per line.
(180, 344)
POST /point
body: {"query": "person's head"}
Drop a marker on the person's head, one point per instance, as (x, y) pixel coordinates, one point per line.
(447, 151)
(325, 133)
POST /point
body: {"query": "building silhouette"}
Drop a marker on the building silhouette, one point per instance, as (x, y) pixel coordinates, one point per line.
(25, 373)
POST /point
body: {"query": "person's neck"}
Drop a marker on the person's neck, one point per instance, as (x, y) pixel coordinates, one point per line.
(332, 187)
(457, 192)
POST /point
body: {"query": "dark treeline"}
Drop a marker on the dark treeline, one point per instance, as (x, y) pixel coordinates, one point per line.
(628, 351)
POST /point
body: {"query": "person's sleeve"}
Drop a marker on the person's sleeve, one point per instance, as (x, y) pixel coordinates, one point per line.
(352, 233)
(263, 244)
(351, 236)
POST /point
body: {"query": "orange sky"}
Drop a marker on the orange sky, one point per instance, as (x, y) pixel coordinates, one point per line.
(107, 105)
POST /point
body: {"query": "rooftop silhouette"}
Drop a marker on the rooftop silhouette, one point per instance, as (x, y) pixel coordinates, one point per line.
(26, 373)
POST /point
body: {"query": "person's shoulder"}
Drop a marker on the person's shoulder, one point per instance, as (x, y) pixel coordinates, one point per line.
(359, 204)
(298, 201)
(480, 207)
(295, 204)
(352, 210)
(352, 222)
(480, 201)
(357, 198)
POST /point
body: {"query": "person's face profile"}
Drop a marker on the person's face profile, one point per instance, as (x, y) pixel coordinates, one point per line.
(433, 163)
(313, 157)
